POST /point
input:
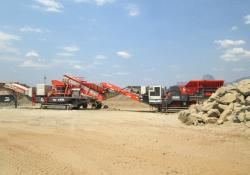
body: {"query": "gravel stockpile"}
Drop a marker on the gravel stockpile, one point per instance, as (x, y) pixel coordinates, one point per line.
(229, 103)
(121, 102)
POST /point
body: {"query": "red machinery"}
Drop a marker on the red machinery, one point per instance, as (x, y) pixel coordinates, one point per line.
(73, 92)
(86, 88)
(192, 92)
(202, 87)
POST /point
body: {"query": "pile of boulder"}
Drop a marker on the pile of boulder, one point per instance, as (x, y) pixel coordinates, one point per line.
(228, 103)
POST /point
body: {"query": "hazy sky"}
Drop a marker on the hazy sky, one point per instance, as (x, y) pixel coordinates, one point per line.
(125, 42)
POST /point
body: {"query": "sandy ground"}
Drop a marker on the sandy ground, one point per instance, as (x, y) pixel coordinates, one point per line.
(59, 142)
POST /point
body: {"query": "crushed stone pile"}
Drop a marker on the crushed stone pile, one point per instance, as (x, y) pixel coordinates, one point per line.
(229, 103)
(23, 100)
(121, 102)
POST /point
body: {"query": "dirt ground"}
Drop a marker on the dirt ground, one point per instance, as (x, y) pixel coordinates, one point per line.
(105, 142)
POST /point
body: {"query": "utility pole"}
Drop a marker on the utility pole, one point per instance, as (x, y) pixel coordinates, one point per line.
(44, 79)
(15, 98)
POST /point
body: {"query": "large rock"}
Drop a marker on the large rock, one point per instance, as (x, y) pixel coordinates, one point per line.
(246, 108)
(210, 120)
(225, 114)
(190, 118)
(183, 116)
(214, 97)
(222, 107)
(240, 108)
(247, 116)
(244, 90)
(245, 82)
(242, 117)
(196, 108)
(241, 99)
(228, 98)
(235, 119)
(221, 91)
(213, 113)
(194, 119)
(247, 100)
(209, 105)
(244, 87)
(232, 87)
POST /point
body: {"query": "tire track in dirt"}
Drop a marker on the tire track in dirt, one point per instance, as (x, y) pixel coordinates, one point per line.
(27, 157)
(119, 143)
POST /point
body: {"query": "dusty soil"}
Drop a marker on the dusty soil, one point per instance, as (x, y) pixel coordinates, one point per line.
(58, 142)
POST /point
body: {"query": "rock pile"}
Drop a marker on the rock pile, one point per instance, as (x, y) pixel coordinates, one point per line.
(229, 103)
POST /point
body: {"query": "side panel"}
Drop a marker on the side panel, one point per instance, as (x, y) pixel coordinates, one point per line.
(155, 95)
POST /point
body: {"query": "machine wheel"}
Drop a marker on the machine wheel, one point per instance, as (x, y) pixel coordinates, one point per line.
(43, 107)
(105, 107)
(77, 107)
(98, 106)
(69, 107)
(85, 106)
(159, 108)
(93, 106)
